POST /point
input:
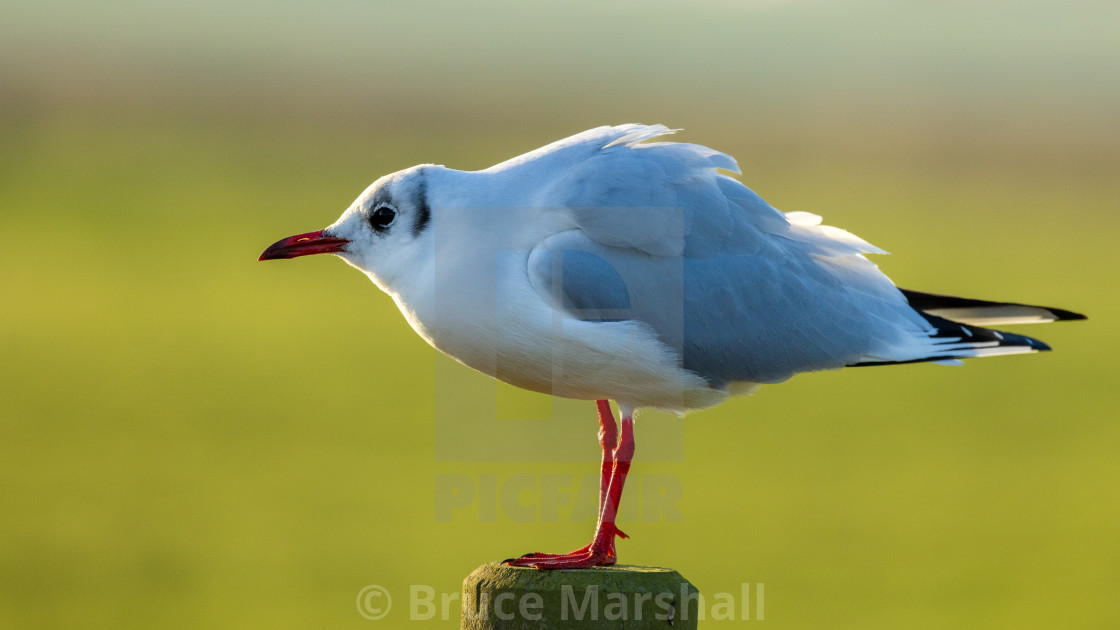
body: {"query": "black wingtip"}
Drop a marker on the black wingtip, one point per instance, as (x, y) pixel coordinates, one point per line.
(1066, 316)
(922, 301)
(955, 331)
(1039, 345)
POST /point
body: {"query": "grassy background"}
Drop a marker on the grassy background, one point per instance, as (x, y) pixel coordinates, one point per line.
(190, 439)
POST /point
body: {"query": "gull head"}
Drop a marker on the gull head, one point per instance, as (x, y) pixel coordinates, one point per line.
(382, 233)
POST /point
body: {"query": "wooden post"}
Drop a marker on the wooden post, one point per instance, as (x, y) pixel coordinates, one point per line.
(499, 596)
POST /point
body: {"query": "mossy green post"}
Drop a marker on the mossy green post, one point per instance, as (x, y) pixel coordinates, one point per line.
(498, 596)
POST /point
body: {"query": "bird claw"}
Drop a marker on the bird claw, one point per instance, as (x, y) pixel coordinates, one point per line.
(596, 554)
(582, 558)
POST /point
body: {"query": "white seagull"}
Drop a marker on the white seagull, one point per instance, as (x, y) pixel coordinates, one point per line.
(604, 267)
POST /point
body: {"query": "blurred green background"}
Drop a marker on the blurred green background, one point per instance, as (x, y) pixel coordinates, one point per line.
(191, 439)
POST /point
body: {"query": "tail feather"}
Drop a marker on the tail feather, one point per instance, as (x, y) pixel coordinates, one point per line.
(960, 332)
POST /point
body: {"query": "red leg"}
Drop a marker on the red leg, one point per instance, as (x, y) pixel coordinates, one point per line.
(608, 441)
(615, 467)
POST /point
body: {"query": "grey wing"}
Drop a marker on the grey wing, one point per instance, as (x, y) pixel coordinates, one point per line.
(757, 317)
(740, 290)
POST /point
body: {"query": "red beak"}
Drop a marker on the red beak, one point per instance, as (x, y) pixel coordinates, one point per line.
(304, 245)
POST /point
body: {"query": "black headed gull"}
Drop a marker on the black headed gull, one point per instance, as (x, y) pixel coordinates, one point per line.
(605, 267)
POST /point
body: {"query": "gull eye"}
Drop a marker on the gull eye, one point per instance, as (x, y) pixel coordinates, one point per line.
(382, 217)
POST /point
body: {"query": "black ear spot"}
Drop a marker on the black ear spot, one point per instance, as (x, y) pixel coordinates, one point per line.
(382, 217)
